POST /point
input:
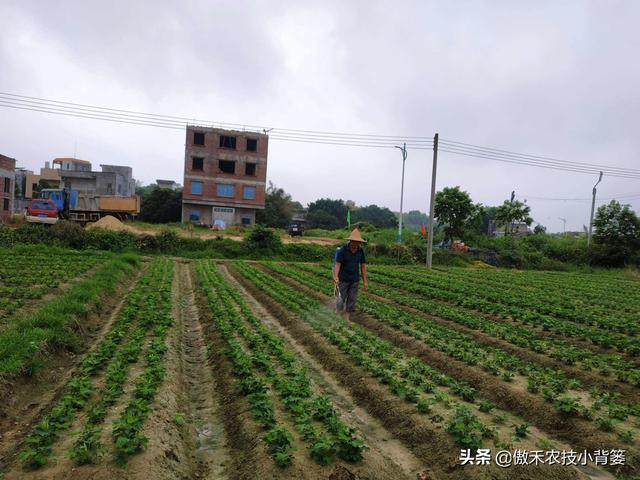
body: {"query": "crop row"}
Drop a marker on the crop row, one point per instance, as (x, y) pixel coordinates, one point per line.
(154, 321)
(430, 391)
(475, 301)
(548, 382)
(27, 274)
(27, 339)
(140, 312)
(517, 335)
(263, 364)
(598, 291)
(603, 288)
(544, 301)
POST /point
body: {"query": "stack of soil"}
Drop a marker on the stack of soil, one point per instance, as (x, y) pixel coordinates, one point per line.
(109, 223)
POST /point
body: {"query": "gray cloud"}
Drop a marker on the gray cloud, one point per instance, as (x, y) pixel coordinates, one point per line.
(546, 78)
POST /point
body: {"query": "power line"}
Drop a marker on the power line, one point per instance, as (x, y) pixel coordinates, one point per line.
(522, 159)
(182, 126)
(508, 153)
(179, 125)
(192, 121)
(9, 100)
(542, 165)
(585, 199)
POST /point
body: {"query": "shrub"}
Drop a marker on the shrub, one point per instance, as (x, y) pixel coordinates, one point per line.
(263, 241)
(100, 239)
(147, 243)
(168, 241)
(69, 234)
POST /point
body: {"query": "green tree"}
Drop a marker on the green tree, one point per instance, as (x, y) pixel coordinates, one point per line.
(160, 205)
(481, 221)
(617, 232)
(454, 209)
(262, 240)
(376, 216)
(43, 184)
(278, 208)
(327, 213)
(539, 230)
(512, 211)
(144, 191)
(413, 220)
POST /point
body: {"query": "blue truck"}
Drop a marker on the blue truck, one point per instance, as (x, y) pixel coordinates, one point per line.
(90, 207)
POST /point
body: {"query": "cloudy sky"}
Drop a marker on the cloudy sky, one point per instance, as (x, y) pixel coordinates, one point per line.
(548, 78)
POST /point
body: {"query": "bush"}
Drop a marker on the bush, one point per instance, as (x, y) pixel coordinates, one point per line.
(168, 241)
(308, 252)
(262, 241)
(147, 243)
(542, 252)
(68, 234)
(100, 239)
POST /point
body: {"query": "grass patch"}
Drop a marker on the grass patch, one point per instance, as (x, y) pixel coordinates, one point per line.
(25, 342)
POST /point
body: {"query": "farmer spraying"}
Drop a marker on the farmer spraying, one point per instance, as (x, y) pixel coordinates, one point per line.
(350, 263)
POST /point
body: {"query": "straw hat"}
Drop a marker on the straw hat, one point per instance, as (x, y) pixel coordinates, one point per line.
(356, 237)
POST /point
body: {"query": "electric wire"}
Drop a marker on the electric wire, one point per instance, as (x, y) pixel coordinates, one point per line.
(78, 110)
(627, 196)
(136, 120)
(542, 165)
(193, 121)
(510, 154)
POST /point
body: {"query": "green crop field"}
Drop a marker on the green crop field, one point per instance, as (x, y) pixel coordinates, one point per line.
(117, 366)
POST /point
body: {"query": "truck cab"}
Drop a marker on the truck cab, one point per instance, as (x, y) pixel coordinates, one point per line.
(57, 195)
(42, 210)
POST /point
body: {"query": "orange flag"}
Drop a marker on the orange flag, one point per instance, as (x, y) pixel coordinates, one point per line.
(423, 231)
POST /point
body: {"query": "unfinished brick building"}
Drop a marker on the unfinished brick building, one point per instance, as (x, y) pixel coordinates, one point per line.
(7, 187)
(224, 176)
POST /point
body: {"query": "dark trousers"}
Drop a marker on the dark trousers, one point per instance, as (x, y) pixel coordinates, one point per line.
(348, 295)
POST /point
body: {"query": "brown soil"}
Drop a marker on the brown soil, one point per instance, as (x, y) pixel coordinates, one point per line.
(590, 378)
(575, 431)
(190, 449)
(315, 240)
(203, 432)
(61, 467)
(536, 329)
(248, 458)
(386, 455)
(25, 400)
(205, 235)
(424, 439)
(110, 223)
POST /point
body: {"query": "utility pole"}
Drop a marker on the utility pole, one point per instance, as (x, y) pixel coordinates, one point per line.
(432, 201)
(403, 149)
(564, 225)
(593, 206)
(509, 226)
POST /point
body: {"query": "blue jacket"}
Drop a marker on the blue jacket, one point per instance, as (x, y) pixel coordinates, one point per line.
(349, 263)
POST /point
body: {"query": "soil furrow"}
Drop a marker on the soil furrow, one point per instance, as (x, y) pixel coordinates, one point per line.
(207, 440)
(386, 454)
(421, 437)
(575, 431)
(25, 400)
(589, 378)
(248, 458)
(570, 340)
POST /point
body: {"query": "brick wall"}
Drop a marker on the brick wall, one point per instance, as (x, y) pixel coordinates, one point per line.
(7, 186)
(210, 174)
